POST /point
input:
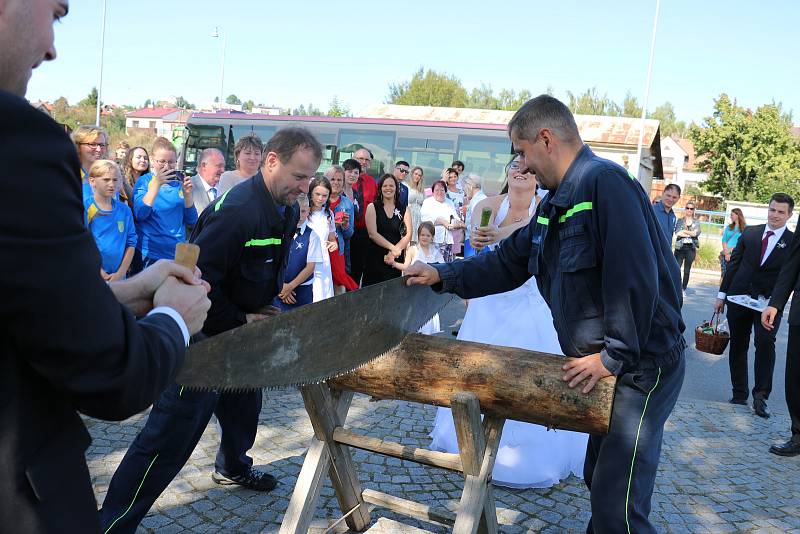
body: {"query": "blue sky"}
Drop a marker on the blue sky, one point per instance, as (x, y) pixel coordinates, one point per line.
(292, 53)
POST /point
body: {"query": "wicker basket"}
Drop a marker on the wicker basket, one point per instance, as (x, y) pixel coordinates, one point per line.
(714, 343)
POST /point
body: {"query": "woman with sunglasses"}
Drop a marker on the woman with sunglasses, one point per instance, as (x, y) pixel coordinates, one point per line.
(687, 241)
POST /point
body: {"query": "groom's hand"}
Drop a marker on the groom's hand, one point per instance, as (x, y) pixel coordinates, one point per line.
(422, 274)
(589, 367)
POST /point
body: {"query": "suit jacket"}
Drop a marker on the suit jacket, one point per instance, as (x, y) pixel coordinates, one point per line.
(788, 282)
(66, 344)
(199, 194)
(744, 274)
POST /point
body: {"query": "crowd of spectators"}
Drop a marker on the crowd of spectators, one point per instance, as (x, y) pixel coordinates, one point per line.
(358, 228)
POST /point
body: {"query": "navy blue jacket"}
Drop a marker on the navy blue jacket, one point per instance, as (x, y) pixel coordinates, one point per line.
(244, 239)
(602, 264)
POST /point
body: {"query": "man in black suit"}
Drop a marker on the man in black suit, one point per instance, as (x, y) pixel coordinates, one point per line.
(788, 282)
(69, 342)
(753, 270)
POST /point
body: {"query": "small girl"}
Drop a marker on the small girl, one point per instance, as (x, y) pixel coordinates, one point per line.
(109, 220)
(304, 255)
(424, 251)
(322, 223)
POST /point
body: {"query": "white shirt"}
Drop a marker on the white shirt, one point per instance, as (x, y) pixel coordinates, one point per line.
(773, 240)
(431, 210)
(175, 317)
(208, 188)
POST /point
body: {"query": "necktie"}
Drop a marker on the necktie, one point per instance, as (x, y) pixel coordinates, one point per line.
(764, 243)
(212, 193)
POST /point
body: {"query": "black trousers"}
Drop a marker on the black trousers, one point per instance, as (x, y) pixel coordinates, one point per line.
(359, 244)
(792, 382)
(742, 321)
(174, 426)
(620, 468)
(685, 256)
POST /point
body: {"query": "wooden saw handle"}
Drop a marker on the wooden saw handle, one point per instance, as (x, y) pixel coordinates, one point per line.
(186, 254)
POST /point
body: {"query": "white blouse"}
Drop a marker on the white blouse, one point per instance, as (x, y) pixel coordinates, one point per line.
(432, 209)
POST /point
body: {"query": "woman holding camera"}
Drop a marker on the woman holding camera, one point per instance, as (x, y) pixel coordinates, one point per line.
(162, 206)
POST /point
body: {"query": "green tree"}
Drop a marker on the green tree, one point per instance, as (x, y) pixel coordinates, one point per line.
(591, 103)
(630, 106)
(90, 100)
(183, 103)
(149, 102)
(747, 155)
(669, 123)
(248, 106)
(483, 98)
(429, 88)
(338, 108)
(233, 100)
(511, 100)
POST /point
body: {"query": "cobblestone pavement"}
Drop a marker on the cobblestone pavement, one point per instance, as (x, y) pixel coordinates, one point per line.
(715, 475)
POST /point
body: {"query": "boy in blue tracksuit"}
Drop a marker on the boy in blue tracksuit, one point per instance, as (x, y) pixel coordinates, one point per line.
(605, 268)
(110, 221)
(304, 254)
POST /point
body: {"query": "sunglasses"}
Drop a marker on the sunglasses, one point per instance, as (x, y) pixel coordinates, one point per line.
(404, 171)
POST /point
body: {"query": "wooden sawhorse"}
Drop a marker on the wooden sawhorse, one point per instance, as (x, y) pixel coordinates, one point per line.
(330, 452)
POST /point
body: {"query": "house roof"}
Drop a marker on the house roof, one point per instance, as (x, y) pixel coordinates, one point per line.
(593, 128)
(152, 113)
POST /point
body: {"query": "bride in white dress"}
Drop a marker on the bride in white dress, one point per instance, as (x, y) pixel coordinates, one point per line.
(530, 456)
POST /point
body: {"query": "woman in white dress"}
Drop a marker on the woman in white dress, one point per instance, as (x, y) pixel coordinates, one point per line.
(439, 210)
(322, 223)
(426, 252)
(530, 456)
(416, 196)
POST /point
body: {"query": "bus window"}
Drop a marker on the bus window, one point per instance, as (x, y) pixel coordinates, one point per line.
(329, 157)
(264, 133)
(433, 155)
(199, 138)
(487, 157)
(380, 143)
(239, 131)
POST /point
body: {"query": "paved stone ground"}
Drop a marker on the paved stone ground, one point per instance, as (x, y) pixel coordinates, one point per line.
(715, 475)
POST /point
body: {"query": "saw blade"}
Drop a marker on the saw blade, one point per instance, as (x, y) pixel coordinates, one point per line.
(313, 342)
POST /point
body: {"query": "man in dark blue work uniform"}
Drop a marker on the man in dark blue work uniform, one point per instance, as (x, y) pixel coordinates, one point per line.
(244, 238)
(606, 270)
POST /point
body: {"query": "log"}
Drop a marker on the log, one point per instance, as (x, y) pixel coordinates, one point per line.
(509, 382)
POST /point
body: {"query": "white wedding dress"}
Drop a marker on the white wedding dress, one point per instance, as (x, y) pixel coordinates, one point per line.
(530, 456)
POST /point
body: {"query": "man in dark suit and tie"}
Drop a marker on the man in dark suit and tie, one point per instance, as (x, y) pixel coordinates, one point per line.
(69, 342)
(753, 270)
(788, 282)
(205, 184)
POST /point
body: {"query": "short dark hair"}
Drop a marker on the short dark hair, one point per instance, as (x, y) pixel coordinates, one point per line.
(783, 198)
(438, 182)
(402, 162)
(450, 170)
(287, 141)
(544, 111)
(459, 163)
(379, 196)
(676, 187)
(350, 164)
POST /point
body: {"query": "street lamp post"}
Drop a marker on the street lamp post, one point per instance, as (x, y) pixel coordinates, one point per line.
(637, 160)
(102, 49)
(217, 34)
